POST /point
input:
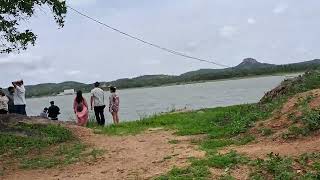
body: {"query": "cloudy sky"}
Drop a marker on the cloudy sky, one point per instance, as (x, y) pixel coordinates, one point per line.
(225, 31)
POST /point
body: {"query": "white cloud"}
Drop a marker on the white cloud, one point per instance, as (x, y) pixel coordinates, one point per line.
(251, 21)
(73, 72)
(24, 61)
(228, 31)
(38, 72)
(302, 49)
(150, 62)
(191, 46)
(25, 66)
(96, 76)
(280, 8)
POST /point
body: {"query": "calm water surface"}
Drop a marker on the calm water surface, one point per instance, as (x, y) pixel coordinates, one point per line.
(137, 103)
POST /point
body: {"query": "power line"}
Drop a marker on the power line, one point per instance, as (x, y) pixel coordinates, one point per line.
(146, 42)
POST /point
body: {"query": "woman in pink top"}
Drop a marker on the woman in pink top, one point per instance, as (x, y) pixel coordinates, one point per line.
(80, 108)
(114, 102)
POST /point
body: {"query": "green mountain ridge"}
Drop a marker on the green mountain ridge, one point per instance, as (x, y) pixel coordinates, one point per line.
(248, 67)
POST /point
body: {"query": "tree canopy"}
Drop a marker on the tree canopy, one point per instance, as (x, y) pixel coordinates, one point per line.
(13, 12)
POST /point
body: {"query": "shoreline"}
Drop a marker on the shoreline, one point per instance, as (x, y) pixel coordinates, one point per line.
(144, 112)
(193, 82)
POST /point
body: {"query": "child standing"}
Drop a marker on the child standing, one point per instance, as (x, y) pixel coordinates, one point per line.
(3, 103)
(44, 113)
(114, 102)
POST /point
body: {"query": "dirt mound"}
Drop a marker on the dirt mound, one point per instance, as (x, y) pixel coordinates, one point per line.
(10, 124)
(11, 119)
(278, 139)
(131, 157)
(280, 90)
(290, 114)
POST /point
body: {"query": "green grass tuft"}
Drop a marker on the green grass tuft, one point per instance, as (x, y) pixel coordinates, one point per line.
(26, 137)
(191, 172)
(35, 146)
(228, 160)
(266, 131)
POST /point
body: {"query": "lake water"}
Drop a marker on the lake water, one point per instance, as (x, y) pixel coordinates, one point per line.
(137, 103)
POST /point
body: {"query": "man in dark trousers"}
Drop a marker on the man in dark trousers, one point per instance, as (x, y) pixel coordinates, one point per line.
(97, 103)
(19, 97)
(53, 111)
(10, 96)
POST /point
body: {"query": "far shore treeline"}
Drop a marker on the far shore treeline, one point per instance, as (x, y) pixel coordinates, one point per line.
(249, 67)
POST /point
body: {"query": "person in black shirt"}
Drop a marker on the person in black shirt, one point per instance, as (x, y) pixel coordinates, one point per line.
(11, 100)
(53, 111)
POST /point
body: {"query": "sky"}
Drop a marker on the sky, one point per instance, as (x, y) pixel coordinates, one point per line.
(224, 31)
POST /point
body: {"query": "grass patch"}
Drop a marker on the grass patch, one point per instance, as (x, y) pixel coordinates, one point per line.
(215, 144)
(228, 160)
(311, 119)
(212, 145)
(245, 139)
(32, 146)
(295, 131)
(227, 177)
(266, 131)
(216, 122)
(23, 138)
(310, 122)
(40, 162)
(65, 155)
(191, 172)
(292, 117)
(277, 167)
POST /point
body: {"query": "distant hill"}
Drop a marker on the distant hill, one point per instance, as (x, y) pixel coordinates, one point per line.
(248, 67)
(250, 63)
(54, 88)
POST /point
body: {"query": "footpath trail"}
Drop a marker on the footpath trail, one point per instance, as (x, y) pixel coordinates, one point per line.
(141, 156)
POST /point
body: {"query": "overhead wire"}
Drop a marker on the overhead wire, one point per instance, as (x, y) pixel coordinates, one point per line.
(145, 41)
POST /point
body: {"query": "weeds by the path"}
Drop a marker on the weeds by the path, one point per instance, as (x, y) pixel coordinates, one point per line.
(276, 167)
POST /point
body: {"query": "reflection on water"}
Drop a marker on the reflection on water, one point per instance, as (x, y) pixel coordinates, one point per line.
(136, 103)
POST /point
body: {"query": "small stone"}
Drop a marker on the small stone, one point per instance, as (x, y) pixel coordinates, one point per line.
(104, 172)
(299, 171)
(155, 129)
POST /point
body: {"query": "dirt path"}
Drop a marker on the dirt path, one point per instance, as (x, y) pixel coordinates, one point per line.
(131, 157)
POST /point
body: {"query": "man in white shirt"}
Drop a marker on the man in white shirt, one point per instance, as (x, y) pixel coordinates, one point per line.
(19, 97)
(97, 103)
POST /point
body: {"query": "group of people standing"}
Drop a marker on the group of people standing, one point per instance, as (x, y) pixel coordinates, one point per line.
(14, 101)
(97, 103)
